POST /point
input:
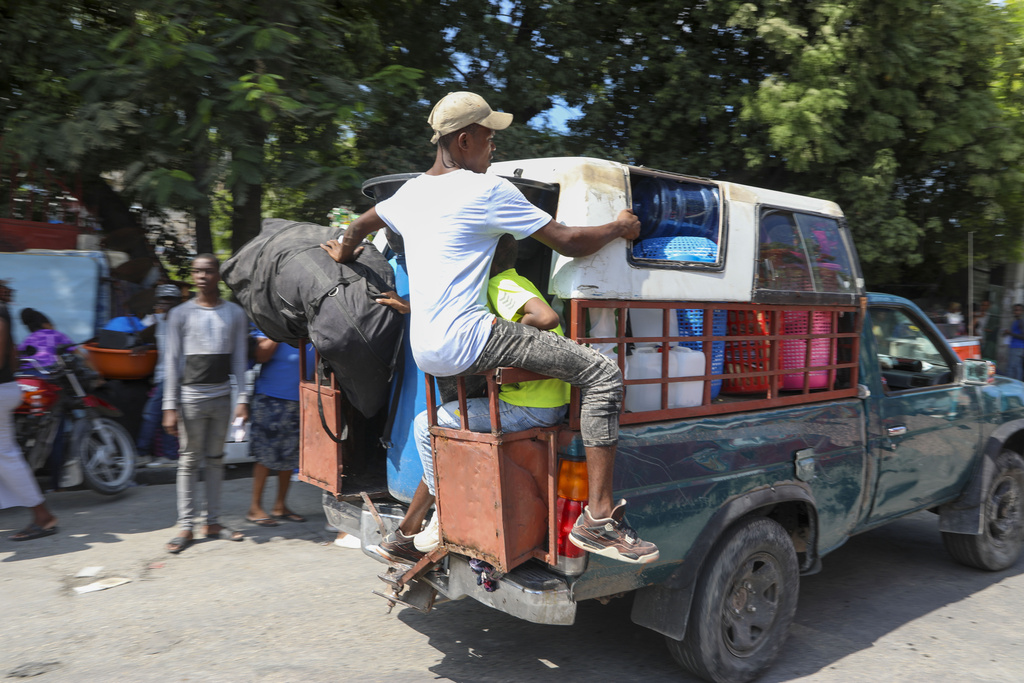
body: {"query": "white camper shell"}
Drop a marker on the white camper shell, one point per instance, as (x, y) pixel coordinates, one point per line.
(742, 222)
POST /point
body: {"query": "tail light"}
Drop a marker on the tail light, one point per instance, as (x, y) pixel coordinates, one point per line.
(572, 497)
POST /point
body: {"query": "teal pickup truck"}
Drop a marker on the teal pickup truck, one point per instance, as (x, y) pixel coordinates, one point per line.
(816, 411)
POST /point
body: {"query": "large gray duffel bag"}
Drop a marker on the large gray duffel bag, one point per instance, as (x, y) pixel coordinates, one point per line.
(292, 289)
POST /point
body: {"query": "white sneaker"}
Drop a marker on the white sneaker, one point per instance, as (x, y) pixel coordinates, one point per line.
(347, 541)
(428, 539)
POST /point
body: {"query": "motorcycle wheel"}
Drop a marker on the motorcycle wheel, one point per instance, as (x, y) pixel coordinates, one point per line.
(106, 452)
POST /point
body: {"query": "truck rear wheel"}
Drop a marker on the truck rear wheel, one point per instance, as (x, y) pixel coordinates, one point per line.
(744, 602)
(1002, 536)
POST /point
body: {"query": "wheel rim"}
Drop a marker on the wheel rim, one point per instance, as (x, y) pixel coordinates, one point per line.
(1004, 510)
(107, 456)
(751, 604)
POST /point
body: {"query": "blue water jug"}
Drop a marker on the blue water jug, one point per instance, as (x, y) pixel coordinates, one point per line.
(667, 208)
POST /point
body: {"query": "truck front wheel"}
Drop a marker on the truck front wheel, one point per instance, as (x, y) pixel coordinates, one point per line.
(1002, 536)
(744, 602)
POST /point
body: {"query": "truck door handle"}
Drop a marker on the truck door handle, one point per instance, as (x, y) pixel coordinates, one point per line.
(897, 430)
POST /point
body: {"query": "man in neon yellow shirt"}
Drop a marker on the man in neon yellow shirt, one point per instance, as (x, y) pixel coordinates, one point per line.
(541, 403)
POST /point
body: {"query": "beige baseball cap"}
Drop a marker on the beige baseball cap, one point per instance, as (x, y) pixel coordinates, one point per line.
(456, 110)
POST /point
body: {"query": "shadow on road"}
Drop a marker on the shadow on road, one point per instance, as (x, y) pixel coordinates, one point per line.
(486, 646)
(876, 583)
(87, 519)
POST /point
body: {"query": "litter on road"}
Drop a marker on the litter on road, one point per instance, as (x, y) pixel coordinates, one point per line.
(102, 584)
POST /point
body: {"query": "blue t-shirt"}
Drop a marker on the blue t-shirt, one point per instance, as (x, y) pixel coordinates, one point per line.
(1016, 328)
(279, 376)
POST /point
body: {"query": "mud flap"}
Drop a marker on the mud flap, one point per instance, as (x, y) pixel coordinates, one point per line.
(663, 610)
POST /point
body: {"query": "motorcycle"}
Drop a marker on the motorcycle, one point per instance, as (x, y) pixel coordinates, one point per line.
(54, 398)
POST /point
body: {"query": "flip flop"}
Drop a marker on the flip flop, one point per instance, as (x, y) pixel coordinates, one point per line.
(32, 532)
(232, 535)
(262, 521)
(177, 544)
(291, 517)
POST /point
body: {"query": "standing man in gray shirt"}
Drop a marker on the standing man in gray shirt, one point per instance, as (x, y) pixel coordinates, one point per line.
(206, 341)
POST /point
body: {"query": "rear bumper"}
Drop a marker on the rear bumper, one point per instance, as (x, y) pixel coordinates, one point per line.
(528, 592)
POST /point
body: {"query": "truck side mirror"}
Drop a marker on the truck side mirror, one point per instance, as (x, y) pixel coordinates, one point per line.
(978, 371)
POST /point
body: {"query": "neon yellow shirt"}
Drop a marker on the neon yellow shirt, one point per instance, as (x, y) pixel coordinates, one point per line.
(507, 294)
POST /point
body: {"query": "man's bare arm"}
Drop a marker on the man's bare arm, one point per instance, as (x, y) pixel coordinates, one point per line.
(265, 349)
(584, 241)
(348, 248)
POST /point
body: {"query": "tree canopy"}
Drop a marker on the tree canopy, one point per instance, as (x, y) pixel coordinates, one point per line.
(906, 113)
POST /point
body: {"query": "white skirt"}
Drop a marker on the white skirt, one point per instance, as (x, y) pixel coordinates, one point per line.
(18, 488)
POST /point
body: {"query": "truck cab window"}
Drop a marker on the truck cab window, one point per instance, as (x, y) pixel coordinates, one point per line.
(909, 357)
(803, 253)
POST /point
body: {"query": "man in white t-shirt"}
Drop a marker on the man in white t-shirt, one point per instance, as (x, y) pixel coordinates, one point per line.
(450, 219)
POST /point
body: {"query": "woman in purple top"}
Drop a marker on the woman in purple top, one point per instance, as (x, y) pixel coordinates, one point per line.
(42, 337)
(45, 340)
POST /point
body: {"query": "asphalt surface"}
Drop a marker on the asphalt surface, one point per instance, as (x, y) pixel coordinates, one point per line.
(287, 605)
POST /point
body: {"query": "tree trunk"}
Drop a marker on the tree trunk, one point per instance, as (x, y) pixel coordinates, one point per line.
(201, 210)
(246, 214)
(120, 225)
(204, 237)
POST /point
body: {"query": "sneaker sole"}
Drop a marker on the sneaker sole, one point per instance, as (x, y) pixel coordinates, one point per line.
(427, 548)
(612, 553)
(395, 559)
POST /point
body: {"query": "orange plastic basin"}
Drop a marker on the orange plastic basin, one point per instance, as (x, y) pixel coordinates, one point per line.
(121, 363)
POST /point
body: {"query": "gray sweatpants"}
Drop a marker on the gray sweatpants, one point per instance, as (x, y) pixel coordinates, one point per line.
(596, 375)
(202, 428)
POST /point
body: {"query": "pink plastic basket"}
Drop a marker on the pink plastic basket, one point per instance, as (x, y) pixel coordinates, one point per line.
(794, 353)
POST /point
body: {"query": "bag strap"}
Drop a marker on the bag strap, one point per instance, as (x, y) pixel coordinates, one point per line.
(320, 407)
(398, 373)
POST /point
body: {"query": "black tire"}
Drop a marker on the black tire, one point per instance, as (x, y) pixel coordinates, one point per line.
(1002, 536)
(106, 452)
(744, 602)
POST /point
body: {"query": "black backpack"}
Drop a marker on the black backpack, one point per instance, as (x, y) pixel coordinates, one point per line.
(292, 290)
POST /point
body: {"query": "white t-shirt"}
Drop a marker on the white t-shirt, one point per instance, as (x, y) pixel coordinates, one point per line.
(450, 225)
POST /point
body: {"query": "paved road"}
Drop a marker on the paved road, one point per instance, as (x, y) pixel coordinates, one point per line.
(285, 605)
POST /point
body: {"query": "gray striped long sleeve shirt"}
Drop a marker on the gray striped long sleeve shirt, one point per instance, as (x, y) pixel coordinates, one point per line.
(202, 347)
